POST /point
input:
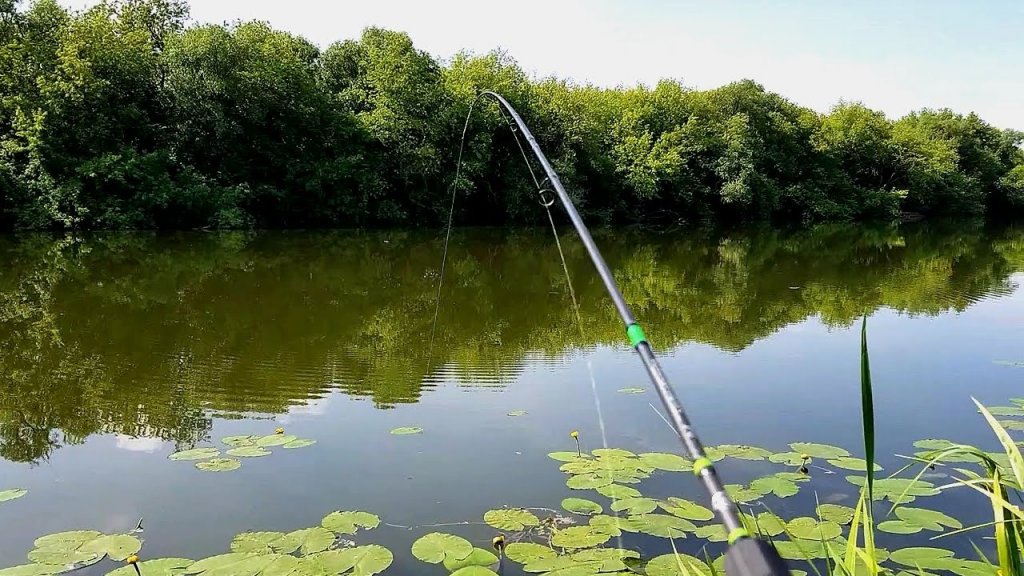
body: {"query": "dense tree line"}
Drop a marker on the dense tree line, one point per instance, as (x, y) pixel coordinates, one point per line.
(127, 116)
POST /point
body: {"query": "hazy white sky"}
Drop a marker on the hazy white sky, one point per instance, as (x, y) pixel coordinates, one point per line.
(893, 55)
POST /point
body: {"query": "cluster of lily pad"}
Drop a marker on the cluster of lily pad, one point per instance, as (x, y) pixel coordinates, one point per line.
(317, 551)
(209, 459)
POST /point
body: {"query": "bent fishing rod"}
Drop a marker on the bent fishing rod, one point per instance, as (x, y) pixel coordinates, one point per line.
(746, 556)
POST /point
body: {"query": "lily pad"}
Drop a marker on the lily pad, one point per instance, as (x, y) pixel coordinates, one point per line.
(407, 430)
(239, 441)
(742, 494)
(923, 557)
(773, 484)
(635, 506)
(851, 463)
(566, 456)
(312, 540)
(769, 524)
(676, 565)
(220, 562)
(366, 560)
(248, 452)
(195, 454)
(259, 542)
(579, 537)
(836, 513)
(711, 533)
(553, 564)
(633, 390)
(616, 491)
(663, 525)
(117, 546)
(788, 458)
(60, 556)
(686, 509)
(286, 544)
(800, 549)
(327, 563)
(511, 519)
(158, 567)
(478, 557)
(525, 552)
(219, 465)
(11, 494)
(613, 525)
(298, 443)
(898, 527)
(893, 488)
(518, 413)
(276, 440)
(818, 450)
(665, 461)
(349, 522)
(68, 540)
(435, 547)
(807, 528)
(927, 519)
(1016, 425)
(1005, 410)
(32, 569)
(582, 506)
(613, 453)
(743, 452)
(581, 466)
(587, 481)
(474, 571)
(281, 565)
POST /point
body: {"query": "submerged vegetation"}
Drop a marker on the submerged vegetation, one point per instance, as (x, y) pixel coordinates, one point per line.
(127, 116)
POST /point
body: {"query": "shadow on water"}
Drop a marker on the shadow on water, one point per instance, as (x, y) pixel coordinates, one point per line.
(154, 335)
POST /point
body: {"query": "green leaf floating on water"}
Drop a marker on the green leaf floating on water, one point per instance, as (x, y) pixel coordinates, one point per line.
(556, 564)
(567, 456)
(927, 519)
(711, 533)
(818, 450)
(898, 527)
(312, 540)
(518, 413)
(61, 556)
(807, 528)
(474, 571)
(219, 465)
(788, 458)
(350, 522)
(613, 525)
(363, 560)
(891, 489)
(69, 540)
(478, 557)
(836, 513)
(195, 454)
(281, 565)
(259, 542)
(158, 567)
(276, 440)
(743, 452)
(579, 537)
(511, 519)
(117, 546)
(435, 547)
(676, 565)
(239, 441)
(582, 506)
(775, 485)
(32, 569)
(667, 462)
(616, 491)
(742, 494)
(632, 390)
(219, 562)
(613, 453)
(525, 552)
(587, 481)
(769, 524)
(662, 525)
(1005, 410)
(11, 494)
(248, 452)
(407, 431)
(582, 466)
(924, 557)
(298, 443)
(635, 506)
(851, 463)
(686, 509)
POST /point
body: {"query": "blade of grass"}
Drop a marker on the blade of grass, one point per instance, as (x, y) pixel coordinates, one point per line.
(867, 404)
(1012, 451)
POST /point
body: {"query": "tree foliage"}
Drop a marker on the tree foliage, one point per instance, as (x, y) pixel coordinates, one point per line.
(126, 116)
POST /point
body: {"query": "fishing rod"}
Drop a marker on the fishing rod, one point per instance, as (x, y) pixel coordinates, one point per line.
(746, 556)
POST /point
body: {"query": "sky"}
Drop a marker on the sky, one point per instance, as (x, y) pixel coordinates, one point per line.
(895, 55)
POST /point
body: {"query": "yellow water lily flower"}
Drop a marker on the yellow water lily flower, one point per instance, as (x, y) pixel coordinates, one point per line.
(279, 431)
